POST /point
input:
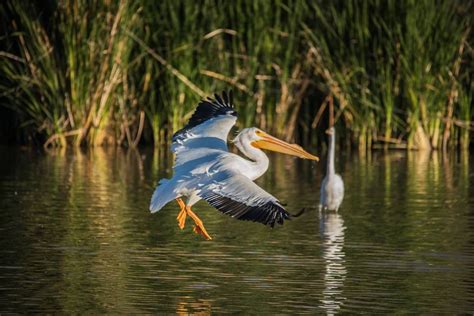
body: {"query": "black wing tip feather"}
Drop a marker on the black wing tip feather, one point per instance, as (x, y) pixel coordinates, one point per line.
(210, 108)
(267, 214)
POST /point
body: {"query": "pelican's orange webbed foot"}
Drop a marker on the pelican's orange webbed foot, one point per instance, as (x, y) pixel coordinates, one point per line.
(201, 231)
(199, 228)
(182, 213)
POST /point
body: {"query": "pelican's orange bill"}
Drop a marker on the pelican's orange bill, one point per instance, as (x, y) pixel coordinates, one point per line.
(272, 143)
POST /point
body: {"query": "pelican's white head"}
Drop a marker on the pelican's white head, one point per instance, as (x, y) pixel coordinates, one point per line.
(259, 139)
(245, 137)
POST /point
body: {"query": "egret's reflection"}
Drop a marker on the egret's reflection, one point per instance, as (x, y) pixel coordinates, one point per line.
(332, 231)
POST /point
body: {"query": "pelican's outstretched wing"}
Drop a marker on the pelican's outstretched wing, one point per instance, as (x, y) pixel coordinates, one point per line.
(207, 130)
(238, 196)
(199, 143)
(207, 110)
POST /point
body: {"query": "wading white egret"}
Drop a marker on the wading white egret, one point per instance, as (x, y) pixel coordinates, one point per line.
(205, 169)
(332, 187)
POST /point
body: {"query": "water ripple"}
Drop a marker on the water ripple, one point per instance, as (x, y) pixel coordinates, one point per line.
(77, 237)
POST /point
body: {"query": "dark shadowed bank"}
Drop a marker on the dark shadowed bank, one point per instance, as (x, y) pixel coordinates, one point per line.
(131, 72)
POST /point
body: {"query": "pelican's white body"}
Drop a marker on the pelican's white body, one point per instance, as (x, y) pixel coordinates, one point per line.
(332, 187)
(207, 165)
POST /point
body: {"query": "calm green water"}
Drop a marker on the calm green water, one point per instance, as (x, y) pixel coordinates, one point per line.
(77, 237)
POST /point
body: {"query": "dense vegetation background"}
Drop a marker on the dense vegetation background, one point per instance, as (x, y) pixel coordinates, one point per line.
(399, 73)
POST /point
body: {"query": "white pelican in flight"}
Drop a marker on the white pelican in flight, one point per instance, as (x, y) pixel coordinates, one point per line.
(332, 187)
(205, 169)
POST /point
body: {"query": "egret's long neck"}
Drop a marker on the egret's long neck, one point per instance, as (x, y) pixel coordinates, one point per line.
(259, 163)
(331, 150)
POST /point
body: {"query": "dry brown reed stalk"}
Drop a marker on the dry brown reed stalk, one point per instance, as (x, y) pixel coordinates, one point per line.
(453, 92)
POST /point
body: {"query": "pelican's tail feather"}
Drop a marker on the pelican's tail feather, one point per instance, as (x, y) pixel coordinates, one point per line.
(164, 193)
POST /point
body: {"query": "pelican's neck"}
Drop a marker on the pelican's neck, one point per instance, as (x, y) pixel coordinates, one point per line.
(331, 149)
(259, 163)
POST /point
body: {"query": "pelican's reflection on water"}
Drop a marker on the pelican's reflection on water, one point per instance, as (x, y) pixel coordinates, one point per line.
(187, 305)
(332, 232)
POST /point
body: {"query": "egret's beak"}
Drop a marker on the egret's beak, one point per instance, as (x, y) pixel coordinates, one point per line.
(330, 131)
(271, 143)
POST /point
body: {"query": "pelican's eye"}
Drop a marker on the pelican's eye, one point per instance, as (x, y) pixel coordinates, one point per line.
(259, 133)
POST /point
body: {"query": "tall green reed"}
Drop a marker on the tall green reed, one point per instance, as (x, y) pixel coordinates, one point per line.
(70, 69)
(219, 45)
(389, 64)
(465, 105)
(338, 35)
(130, 72)
(430, 48)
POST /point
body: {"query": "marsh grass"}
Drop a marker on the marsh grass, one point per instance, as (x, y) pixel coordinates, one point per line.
(131, 72)
(394, 66)
(70, 72)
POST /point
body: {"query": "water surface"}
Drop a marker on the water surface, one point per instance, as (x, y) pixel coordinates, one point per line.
(77, 237)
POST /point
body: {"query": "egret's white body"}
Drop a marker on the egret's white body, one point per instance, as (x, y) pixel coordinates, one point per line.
(205, 169)
(332, 187)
